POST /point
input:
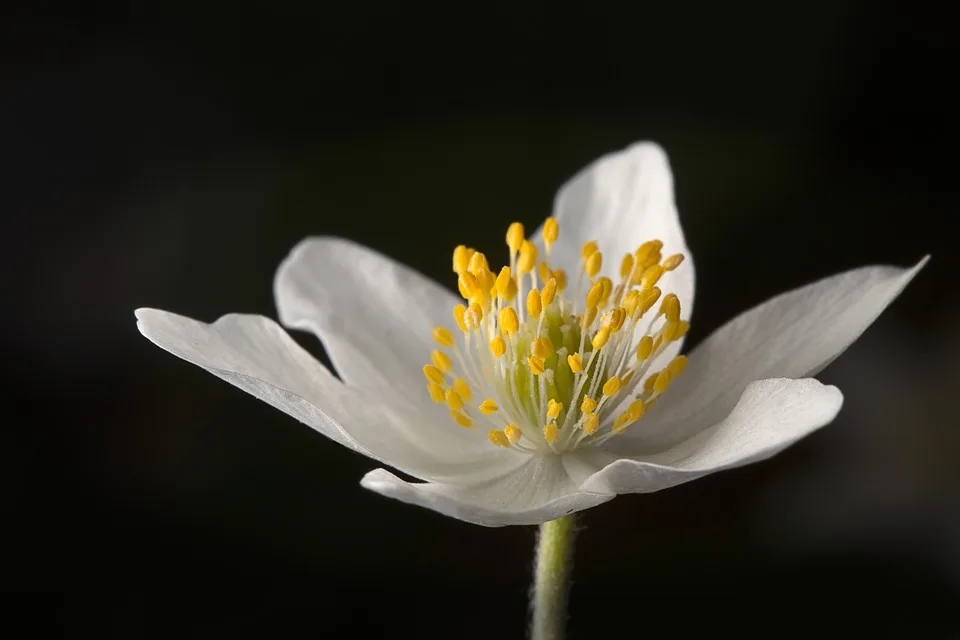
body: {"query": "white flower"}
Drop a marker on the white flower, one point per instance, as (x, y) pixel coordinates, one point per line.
(507, 431)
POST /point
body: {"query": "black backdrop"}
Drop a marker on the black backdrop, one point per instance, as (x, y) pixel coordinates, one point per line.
(170, 155)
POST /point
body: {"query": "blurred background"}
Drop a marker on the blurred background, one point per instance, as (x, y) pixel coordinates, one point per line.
(170, 154)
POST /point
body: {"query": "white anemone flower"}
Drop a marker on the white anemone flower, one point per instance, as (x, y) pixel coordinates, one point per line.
(555, 383)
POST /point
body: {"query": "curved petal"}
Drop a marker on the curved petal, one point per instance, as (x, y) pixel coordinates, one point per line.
(793, 335)
(622, 200)
(374, 316)
(256, 355)
(770, 416)
(542, 488)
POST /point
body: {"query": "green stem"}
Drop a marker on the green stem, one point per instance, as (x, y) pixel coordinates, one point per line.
(554, 554)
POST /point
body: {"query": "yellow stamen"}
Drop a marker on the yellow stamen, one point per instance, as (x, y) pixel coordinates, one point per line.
(560, 276)
(506, 285)
(534, 306)
(498, 346)
(436, 392)
(551, 231)
(498, 438)
(461, 259)
(675, 330)
(543, 271)
(600, 338)
(588, 405)
(432, 374)
(551, 433)
(461, 419)
(459, 314)
(488, 406)
(593, 264)
(626, 265)
(651, 275)
(591, 422)
(454, 401)
(636, 410)
(588, 317)
(536, 365)
(463, 389)
(509, 322)
(648, 298)
(443, 336)
(554, 408)
(542, 347)
(670, 307)
(473, 316)
(549, 292)
(513, 433)
(677, 365)
(576, 364)
(662, 383)
(478, 264)
(644, 348)
(441, 360)
(607, 285)
(613, 319)
(515, 236)
(594, 295)
(588, 249)
(673, 262)
(611, 386)
(528, 257)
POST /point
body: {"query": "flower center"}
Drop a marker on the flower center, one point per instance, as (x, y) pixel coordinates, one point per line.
(549, 372)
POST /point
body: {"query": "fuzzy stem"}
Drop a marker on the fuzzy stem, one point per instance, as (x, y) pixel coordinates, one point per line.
(554, 556)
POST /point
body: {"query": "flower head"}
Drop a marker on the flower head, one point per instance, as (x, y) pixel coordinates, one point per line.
(556, 381)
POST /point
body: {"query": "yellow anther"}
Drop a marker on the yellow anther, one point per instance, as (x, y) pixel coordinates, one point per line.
(657, 342)
(673, 262)
(636, 410)
(576, 364)
(607, 285)
(588, 249)
(462, 420)
(560, 276)
(549, 292)
(551, 231)
(554, 408)
(620, 423)
(543, 271)
(644, 348)
(649, 382)
(662, 383)
(463, 389)
(675, 330)
(436, 392)
(528, 257)
(454, 401)
(594, 295)
(498, 438)
(459, 314)
(613, 319)
(651, 276)
(467, 284)
(676, 366)
(509, 322)
(498, 346)
(600, 338)
(626, 266)
(478, 263)
(515, 236)
(432, 374)
(443, 337)
(503, 282)
(631, 302)
(591, 422)
(473, 316)
(488, 406)
(588, 405)
(542, 347)
(551, 433)
(461, 259)
(611, 386)
(648, 298)
(627, 378)
(648, 253)
(441, 360)
(593, 264)
(486, 281)
(536, 365)
(588, 317)
(534, 306)
(512, 432)
(670, 307)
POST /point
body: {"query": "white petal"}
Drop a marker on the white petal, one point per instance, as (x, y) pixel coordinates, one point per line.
(542, 488)
(374, 316)
(622, 200)
(793, 335)
(256, 355)
(770, 416)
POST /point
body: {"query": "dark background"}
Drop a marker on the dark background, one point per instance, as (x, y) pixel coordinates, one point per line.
(170, 154)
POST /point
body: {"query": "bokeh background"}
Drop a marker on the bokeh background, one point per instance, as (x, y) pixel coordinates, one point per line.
(170, 154)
